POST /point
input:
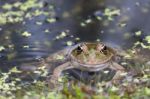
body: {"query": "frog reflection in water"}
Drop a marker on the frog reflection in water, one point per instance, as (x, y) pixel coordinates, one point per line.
(86, 56)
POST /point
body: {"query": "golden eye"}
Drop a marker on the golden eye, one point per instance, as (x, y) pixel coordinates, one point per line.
(84, 47)
(102, 48)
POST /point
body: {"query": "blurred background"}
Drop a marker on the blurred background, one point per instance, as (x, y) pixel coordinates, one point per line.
(31, 29)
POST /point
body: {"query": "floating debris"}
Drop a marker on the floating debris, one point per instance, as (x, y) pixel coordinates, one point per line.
(46, 31)
(88, 21)
(39, 23)
(26, 34)
(147, 38)
(77, 38)
(111, 12)
(82, 24)
(26, 46)
(138, 33)
(51, 20)
(99, 15)
(2, 48)
(69, 43)
(7, 6)
(63, 34)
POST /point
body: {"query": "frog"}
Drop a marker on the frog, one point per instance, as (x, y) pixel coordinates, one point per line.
(85, 56)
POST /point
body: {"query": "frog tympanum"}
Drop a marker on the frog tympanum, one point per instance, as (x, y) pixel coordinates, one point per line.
(86, 56)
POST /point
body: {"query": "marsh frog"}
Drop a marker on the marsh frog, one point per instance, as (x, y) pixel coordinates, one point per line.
(86, 56)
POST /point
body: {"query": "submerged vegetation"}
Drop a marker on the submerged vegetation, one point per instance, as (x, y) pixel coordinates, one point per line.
(13, 85)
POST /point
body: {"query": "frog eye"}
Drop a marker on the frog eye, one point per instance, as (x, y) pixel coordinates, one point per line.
(82, 48)
(104, 47)
(79, 49)
(101, 47)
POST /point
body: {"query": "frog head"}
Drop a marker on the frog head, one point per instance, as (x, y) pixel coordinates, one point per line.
(91, 54)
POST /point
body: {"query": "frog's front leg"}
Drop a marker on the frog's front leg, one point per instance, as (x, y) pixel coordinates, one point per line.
(58, 56)
(53, 80)
(119, 70)
(56, 59)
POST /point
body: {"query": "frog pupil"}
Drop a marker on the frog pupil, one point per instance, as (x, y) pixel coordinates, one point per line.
(79, 50)
(104, 47)
(104, 50)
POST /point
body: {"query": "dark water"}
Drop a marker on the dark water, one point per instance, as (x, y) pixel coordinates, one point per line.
(69, 14)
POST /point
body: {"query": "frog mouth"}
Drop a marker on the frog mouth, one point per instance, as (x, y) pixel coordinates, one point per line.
(89, 63)
(91, 67)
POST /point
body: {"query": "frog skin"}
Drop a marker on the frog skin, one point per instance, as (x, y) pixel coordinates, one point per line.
(86, 56)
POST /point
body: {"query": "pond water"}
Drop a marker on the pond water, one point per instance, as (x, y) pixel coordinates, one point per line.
(73, 21)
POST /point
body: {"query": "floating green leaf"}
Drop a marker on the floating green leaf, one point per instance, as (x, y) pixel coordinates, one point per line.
(111, 12)
(2, 48)
(138, 33)
(147, 38)
(26, 34)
